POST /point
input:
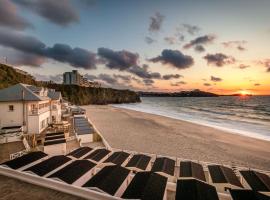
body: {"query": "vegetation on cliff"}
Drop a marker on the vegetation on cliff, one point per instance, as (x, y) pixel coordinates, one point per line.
(84, 95)
(9, 76)
(192, 93)
(72, 93)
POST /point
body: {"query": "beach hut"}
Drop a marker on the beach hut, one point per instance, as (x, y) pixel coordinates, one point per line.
(139, 162)
(111, 179)
(74, 171)
(244, 194)
(80, 152)
(25, 160)
(189, 169)
(256, 181)
(163, 165)
(83, 130)
(146, 186)
(193, 189)
(55, 143)
(98, 155)
(117, 158)
(223, 177)
(48, 165)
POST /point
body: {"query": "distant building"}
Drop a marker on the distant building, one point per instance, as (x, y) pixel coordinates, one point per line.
(30, 107)
(75, 78)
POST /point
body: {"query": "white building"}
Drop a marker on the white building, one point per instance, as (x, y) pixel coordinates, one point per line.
(56, 99)
(75, 78)
(72, 78)
(29, 106)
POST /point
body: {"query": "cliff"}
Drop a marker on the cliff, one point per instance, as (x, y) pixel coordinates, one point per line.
(72, 93)
(83, 95)
(192, 93)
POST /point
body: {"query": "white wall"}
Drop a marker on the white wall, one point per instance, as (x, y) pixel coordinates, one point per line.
(85, 138)
(8, 118)
(56, 149)
(58, 112)
(34, 121)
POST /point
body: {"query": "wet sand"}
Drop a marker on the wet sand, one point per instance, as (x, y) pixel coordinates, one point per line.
(138, 131)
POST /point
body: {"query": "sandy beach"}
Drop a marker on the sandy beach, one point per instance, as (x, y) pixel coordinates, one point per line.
(138, 131)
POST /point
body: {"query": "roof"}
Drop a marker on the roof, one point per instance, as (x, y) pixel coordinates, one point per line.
(98, 154)
(48, 165)
(222, 174)
(54, 134)
(240, 194)
(62, 136)
(82, 126)
(192, 169)
(109, 179)
(146, 186)
(15, 93)
(54, 95)
(193, 189)
(53, 142)
(139, 161)
(117, 157)
(165, 165)
(73, 171)
(80, 152)
(25, 159)
(256, 180)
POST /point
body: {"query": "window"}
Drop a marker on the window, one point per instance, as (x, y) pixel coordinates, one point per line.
(43, 124)
(11, 108)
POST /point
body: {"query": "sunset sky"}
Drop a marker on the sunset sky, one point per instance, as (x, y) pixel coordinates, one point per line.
(212, 45)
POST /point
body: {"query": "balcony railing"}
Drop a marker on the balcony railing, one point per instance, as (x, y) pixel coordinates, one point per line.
(34, 111)
(37, 111)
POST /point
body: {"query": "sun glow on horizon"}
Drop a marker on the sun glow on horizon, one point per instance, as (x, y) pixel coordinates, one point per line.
(244, 92)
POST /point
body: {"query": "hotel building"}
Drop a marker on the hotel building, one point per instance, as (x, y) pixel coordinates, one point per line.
(33, 108)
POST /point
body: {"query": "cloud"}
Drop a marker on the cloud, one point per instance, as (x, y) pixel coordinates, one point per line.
(107, 78)
(170, 40)
(257, 84)
(149, 40)
(156, 22)
(90, 77)
(10, 18)
(265, 63)
(243, 66)
(143, 72)
(58, 78)
(207, 84)
(148, 82)
(174, 58)
(215, 79)
(235, 44)
(171, 76)
(19, 58)
(219, 59)
(191, 29)
(198, 42)
(76, 57)
(118, 81)
(120, 60)
(59, 12)
(199, 48)
(178, 83)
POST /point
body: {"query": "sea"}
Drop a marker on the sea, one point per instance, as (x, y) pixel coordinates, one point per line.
(245, 115)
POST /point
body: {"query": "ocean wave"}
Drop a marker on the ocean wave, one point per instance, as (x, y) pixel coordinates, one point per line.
(251, 119)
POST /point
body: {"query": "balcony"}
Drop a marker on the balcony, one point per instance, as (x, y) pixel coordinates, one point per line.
(34, 111)
(37, 111)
